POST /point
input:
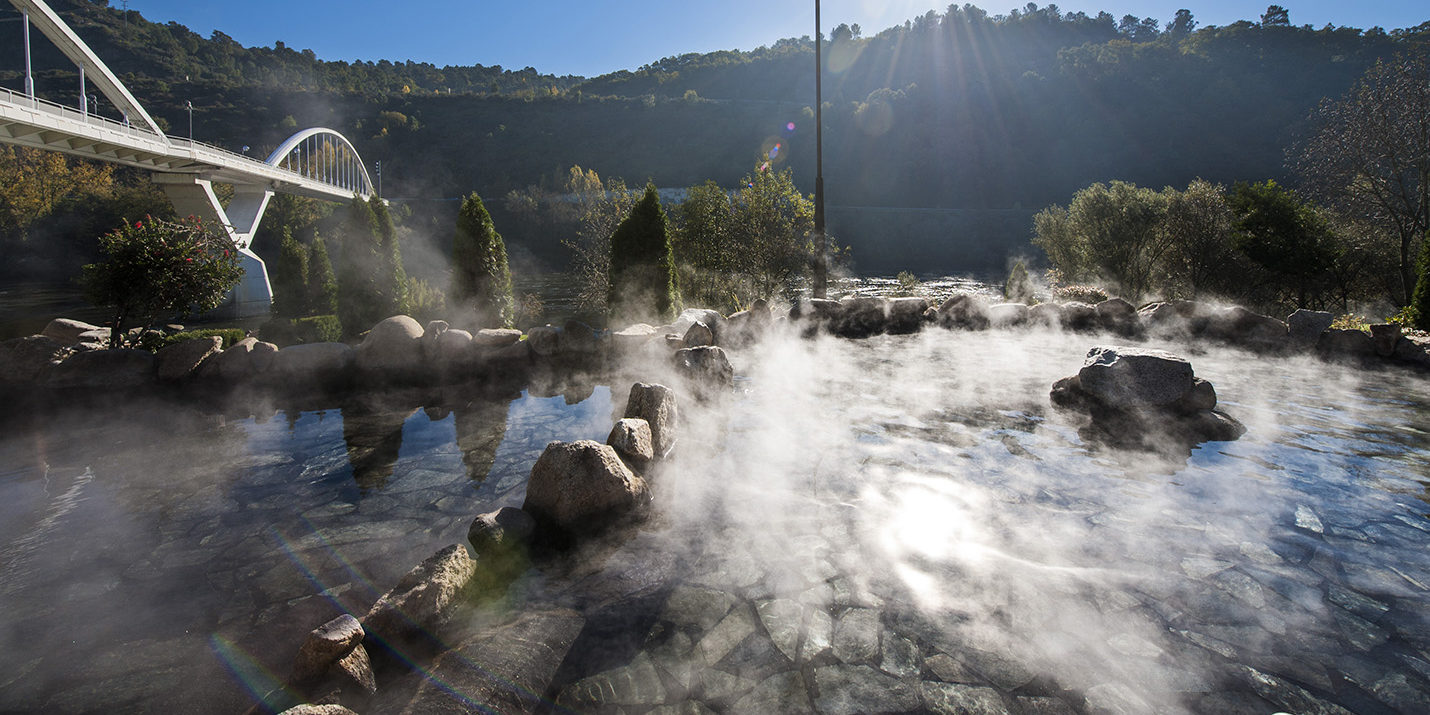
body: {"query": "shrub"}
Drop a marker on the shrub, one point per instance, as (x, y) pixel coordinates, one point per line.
(229, 335)
(293, 331)
(1019, 287)
(156, 268)
(1079, 294)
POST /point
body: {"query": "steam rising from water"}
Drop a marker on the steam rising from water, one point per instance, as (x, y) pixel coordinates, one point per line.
(926, 474)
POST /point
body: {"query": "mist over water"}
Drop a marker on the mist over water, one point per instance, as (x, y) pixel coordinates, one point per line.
(916, 489)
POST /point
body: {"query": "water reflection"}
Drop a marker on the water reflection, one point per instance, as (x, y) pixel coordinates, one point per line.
(481, 426)
(373, 434)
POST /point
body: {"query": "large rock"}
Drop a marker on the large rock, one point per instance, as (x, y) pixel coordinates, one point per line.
(1046, 315)
(1306, 326)
(453, 348)
(393, 346)
(747, 325)
(311, 361)
(964, 310)
(1345, 344)
(656, 405)
(496, 337)
(1411, 352)
(430, 335)
(501, 530)
(1079, 316)
(1385, 336)
(503, 669)
(105, 370)
(578, 338)
(545, 340)
(1128, 377)
(631, 439)
(712, 319)
(29, 360)
(244, 359)
(421, 599)
(706, 365)
(698, 335)
(632, 338)
(68, 332)
(861, 316)
(1116, 315)
(818, 310)
(581, 486)
(1241, 327)
(326, 645)
(906, 315)
(1141, 398)
(181, 360)
(1007, 315)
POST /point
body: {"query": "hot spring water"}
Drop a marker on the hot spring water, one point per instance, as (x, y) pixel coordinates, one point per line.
(894, 523)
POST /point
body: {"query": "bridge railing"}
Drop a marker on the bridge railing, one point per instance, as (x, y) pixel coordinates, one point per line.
(177, 144)
(21, 99)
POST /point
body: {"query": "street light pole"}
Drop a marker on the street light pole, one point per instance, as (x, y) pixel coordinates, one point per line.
(29, 79)
(190, 105)
(821, 242)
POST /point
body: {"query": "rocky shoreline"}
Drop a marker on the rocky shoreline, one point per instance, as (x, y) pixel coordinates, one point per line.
(580, 490)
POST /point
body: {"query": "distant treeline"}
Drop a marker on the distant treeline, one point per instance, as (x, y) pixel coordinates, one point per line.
(960, 110)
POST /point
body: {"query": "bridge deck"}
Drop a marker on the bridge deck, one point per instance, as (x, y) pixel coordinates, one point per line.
(41, 124)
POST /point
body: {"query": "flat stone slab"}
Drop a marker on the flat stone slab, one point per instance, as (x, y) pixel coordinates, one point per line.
(504, 669)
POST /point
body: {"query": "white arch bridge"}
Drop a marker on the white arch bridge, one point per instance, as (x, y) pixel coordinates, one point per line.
(318, 163)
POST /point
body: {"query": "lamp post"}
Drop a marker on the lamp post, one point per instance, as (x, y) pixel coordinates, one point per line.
(821, 243)
(189, 104)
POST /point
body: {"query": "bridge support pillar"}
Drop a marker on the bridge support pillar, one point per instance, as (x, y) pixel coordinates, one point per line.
(193, 195)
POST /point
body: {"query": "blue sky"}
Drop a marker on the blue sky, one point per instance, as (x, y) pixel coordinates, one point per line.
(589, 38)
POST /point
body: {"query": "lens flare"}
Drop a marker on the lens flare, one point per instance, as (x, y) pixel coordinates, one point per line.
(775, 152)
(789, 127)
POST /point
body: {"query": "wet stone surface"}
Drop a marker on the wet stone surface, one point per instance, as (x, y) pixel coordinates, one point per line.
(889, 537)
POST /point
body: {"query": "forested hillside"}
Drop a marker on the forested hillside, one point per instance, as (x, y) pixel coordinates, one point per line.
(953, 127)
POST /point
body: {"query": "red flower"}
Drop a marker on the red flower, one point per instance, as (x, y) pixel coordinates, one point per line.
(138, 224)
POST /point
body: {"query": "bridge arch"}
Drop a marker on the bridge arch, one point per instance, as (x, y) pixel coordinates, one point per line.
(325, 155)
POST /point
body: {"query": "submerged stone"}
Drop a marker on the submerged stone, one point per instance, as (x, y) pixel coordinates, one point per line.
(853, 689)
(421, 599)
(955, 699)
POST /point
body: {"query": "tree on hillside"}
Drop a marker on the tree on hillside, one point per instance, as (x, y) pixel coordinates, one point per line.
(288, 276)
(322, 287)
(368, 266)
(481, 279)
(1276, 16)
(1289, 239)
(642, 282)
(602, 205)
(1370, 160)
(1110, 233)
(1202, 258)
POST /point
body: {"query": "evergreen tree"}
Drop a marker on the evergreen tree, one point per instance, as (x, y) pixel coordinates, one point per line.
(1420, 301)
(642, 284)
(392, 279)
(481, 279)
(359, 298)
(289, 277)
(322, 286)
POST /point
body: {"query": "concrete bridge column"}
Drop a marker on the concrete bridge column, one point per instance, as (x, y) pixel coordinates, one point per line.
(193, 195)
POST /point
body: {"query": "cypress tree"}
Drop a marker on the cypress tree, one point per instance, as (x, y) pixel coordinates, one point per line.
(290, 277)
(392, 278)
(322, 288)
(642, 272)
(481, 279)
(359, 306)
(1420, 299)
